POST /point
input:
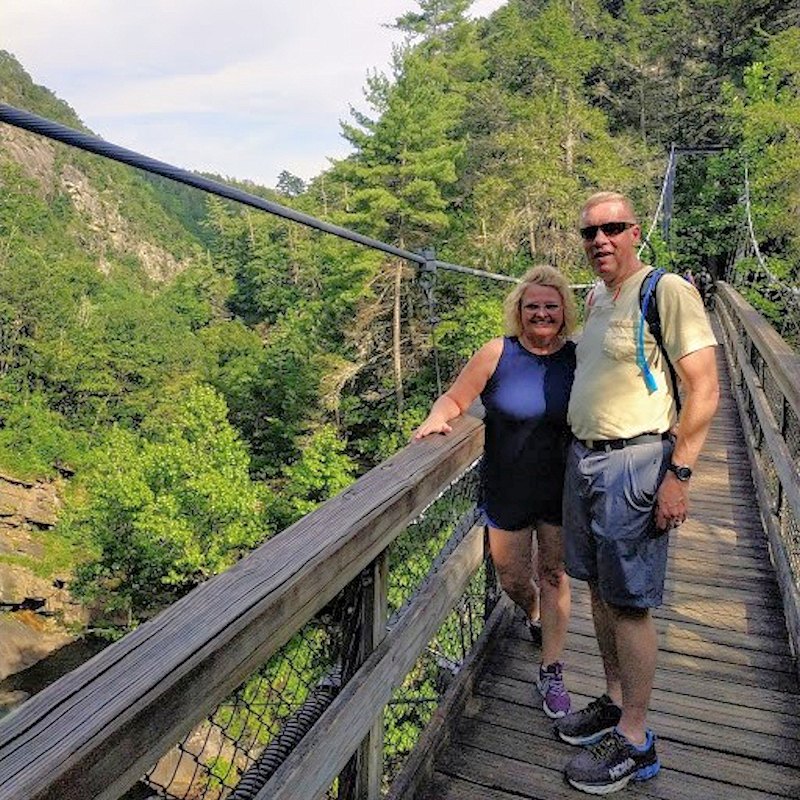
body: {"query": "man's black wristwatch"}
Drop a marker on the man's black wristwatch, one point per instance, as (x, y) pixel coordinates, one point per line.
(681, 473)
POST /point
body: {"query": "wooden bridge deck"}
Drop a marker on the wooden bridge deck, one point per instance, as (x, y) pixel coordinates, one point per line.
(725, 703)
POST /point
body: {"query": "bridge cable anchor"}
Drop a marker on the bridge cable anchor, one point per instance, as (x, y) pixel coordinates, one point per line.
(426, 278)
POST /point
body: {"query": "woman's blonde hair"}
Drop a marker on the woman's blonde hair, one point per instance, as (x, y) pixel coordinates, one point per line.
(540, 275)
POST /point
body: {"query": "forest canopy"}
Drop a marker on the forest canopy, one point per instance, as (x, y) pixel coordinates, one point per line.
(201, 374)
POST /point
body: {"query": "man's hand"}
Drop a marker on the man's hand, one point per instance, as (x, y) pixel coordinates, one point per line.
(672, 502)
(698, 374)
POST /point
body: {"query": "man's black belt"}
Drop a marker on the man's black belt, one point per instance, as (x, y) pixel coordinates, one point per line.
(617, 444)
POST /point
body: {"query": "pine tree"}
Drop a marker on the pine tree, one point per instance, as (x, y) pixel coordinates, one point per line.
(398, 178)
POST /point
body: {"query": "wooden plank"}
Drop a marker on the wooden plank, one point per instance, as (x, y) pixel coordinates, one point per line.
(772, 718)
(538, 745)
(716, 528)
(97, 730)
(713, 575)
(367, 763)
(763, 747)
(676, 666)
(525, 779)
(689, 559)
(672, 631)
(439, 730)
(583, 689)
(713, 515)
(769, 652)
(784, 464)
(763, 593)
(745, 618)
(321, 754)
(672, 638)
(445, 787)
(686, 683)
(518, 777)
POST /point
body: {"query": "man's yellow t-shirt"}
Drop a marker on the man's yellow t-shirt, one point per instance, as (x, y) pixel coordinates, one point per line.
(610, 399)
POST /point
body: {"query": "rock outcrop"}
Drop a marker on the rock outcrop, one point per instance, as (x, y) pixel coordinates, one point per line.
(37, 613)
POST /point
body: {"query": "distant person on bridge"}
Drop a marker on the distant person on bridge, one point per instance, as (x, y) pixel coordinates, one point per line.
(705, 285)
(627, 482)
(524, 380)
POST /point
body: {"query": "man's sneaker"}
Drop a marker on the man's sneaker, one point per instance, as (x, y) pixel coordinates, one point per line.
(610, 764)
(535, 630)
(555, 697)
(590, 724)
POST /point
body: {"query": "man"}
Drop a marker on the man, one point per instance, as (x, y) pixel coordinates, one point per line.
(628, 477)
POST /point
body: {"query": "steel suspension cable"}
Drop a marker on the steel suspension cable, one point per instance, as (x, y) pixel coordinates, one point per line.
(667, 182)
(94, 144)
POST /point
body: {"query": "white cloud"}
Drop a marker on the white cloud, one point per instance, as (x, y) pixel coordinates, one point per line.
(243, 88)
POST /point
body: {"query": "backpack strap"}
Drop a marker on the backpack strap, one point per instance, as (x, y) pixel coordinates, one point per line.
(648, 303)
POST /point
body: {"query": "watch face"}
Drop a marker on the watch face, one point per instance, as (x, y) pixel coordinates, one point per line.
(681, 473)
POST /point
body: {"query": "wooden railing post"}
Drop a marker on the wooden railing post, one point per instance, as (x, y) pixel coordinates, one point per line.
(361, 779)
(754, 350)
(371, 752)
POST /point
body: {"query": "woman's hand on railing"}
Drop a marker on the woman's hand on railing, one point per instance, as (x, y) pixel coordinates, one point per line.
(442, 413)
(432, 424)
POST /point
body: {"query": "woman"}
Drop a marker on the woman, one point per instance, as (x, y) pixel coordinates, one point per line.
(524, 380)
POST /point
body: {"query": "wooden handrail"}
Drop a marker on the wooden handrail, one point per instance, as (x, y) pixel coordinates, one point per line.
(782, 360)
(96, 731)
(784, 367)
(320, 756)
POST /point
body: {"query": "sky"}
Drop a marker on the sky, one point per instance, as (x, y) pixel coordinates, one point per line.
(239, 88)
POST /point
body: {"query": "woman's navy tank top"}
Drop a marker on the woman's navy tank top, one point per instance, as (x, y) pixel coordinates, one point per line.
(526, 435)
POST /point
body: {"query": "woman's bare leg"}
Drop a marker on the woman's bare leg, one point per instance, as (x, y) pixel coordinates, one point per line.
(555, 592)
(513, 557)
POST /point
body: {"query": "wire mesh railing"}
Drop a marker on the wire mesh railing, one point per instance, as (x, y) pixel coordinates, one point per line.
(750, 272)
(767, 389)
(233, 753)
(414, 561)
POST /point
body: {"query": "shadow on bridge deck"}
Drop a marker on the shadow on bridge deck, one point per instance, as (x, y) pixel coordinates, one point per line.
(725, 702)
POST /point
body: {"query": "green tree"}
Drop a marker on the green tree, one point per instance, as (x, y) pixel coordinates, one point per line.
(323, 470)
(36, 442)
(167, 508)
(666, 62)
(398, 178)
(767, 118)
(290, 185)
(546, 145)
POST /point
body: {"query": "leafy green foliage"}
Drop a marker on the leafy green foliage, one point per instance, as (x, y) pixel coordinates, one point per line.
(767, 118)
(36, 442)
(405, 160)
(167, 509)
(121, 290)
(324, 470)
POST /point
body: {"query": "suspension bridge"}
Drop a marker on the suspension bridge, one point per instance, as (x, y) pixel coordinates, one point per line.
(316, 668)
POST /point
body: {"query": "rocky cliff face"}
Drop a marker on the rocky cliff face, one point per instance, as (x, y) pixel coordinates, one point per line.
(106, 230)
(25, 508)
(25, 504)
(36, 613)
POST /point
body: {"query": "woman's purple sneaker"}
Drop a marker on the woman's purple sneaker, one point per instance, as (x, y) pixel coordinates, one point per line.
(555, 697)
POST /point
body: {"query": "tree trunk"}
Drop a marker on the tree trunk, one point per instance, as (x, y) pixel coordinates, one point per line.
(398, 364)
(530, 221)
(642, 110)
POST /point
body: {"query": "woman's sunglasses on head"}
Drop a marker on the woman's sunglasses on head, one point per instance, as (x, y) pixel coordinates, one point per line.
(608, 228)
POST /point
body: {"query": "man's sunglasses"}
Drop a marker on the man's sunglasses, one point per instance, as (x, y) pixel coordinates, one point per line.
(608, 228)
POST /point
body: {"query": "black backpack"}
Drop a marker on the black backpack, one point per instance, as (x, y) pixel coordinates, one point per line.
(648, 304)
